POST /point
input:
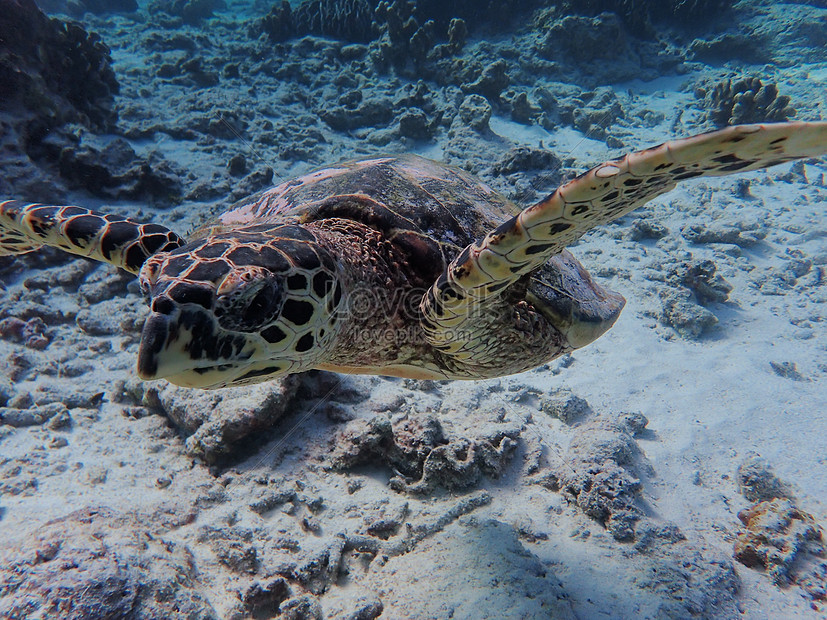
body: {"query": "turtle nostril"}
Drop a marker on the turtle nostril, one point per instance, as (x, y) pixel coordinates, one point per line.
(163, 305)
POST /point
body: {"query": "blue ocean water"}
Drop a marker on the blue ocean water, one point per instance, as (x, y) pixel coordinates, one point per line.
(640, 476)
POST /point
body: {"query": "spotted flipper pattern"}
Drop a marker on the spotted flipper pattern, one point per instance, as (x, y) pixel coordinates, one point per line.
(25, 227)
(486, 268)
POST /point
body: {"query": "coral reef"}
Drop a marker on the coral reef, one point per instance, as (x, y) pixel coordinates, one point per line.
(349, 20)
(78, 8)
(700, 277)
(743, 235)
(688, 318)
(745, 100)
(403, 20)
(778, 536)
(55, 70)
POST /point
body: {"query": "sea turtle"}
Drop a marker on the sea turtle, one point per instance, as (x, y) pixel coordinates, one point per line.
(394, 265)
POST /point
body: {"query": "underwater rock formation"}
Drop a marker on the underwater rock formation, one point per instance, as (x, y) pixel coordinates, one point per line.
(700, 277)
(600, 474)
(77, 8)
(778, 536)
(757, 482)
(747, 100)
(218, 422)
(640, 16)
(116, 171)
(417, 448)
(784, 540)
(189, 11)
(98, 563)
(52, 73)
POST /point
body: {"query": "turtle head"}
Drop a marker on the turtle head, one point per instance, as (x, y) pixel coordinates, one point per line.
(239, 307)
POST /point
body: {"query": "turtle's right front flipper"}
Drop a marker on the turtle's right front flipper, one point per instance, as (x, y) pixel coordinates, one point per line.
(25, 227)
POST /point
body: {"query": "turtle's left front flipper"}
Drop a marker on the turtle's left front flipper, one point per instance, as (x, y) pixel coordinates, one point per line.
(25, 227)
(484, 271)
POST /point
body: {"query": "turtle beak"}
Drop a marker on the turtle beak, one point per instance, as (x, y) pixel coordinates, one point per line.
(153, 340)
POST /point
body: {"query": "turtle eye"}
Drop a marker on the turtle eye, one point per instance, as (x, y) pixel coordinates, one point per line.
(147, 277)
(247, 299)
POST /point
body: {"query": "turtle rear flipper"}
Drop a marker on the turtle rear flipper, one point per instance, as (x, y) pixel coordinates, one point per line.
(25, 227)
(480, 277)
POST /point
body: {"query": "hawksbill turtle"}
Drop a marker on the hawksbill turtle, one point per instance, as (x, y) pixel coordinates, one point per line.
(394, 265)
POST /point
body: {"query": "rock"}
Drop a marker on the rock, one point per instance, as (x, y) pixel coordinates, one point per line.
(304, 607)
(646, 228)
(189, 11)
(117, 172)
(262, 599)
(788, 370)
(31, 333)
(742, 236)
(413, 123)
(370, 113)
(475, 112)
(32, 416)
(749, 47)
(417, 448)
(599, 475)
(98, 563)
(579, 40)
(757, 482)
(565, 406)
(526, 158)
(699, 277)
(689, 319)
(780, 538)
(491, 82)
(237, 166)
(218, 422)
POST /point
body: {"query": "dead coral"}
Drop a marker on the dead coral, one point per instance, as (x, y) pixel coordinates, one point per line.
(757, 482)
(218, 423)
(599, 475)
(417, 449)
(98, 563)
(786, 541)
(745, 100)
(700, 277)
(403, 42)
(638, 15)
(680, 312)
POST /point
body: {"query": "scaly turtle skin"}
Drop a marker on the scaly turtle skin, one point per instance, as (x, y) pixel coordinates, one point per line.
(396, 266)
